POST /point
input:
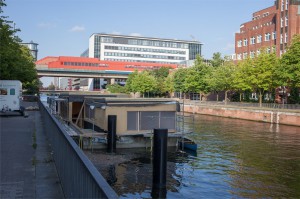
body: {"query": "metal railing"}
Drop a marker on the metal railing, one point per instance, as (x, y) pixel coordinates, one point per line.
(244, 104)
(79, 177)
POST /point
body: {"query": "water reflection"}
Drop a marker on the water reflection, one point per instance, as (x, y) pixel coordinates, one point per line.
(235, 159)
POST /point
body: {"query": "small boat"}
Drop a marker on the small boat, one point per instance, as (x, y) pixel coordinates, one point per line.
(187, 144)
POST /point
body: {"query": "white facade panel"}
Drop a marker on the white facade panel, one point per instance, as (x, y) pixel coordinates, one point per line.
(91, 46)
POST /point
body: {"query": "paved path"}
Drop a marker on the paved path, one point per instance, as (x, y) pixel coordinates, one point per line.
(26, 172)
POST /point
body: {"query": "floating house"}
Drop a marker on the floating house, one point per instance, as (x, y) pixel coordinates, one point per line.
(136, 119)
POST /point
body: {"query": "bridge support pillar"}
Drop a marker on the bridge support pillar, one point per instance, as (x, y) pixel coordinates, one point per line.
(112, 81)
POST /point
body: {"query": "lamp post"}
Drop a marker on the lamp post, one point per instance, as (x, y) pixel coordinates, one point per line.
(91, 139)
(91, 108)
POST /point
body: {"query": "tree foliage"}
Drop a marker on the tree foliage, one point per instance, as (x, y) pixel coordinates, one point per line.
(196, 79)
(16, 62)
(217, 60)
(289, 68)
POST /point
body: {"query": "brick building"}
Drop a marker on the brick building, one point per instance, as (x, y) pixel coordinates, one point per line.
(271, 28)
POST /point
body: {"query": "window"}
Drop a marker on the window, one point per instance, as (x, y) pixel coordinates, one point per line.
(286, 21)
(239, 56)
(12, 91)
(239, 43)
(267, 37)
(245, 42)
(252, 54)
(268, 50)
(252, 40)
(281, 22)
(148, 120)
(274, 35)
(132, 120)
(3, 91)
(286, 4)
(245, 55)
(285, 38)
(258, 52)
(259, 38)
(281, 38)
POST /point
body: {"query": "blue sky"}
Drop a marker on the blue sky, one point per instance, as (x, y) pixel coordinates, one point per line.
(63, 27)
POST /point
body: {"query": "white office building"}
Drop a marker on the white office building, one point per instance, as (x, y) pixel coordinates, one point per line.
(141, 49)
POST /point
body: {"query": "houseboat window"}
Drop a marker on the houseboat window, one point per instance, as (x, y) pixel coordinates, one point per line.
(12, 91)
(3, 91)
(167, 120)
(149, 120)
(132, 120)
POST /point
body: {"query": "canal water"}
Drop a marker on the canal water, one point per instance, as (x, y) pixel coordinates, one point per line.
(235, 159)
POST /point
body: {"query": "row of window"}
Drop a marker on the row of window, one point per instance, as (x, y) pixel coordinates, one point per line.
(3, 91)
(144, 42)
(84, 64)
(284, 21)
(244, 55)
(286, 5)
(132, 60)
(257, 39)
(265, 24)
(143, 56)
(258, 16)
(145, 50)
(149, 120)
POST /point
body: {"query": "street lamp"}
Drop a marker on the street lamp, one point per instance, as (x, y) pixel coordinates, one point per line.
(91, 108)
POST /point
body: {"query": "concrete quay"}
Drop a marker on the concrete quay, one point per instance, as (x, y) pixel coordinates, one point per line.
(27, 167)
(274, 116)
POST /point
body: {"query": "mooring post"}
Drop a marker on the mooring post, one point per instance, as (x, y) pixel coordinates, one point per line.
(111, 134)
(160, 142)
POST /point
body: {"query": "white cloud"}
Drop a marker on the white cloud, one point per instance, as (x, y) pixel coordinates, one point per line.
(47, 25)
(135, 34)
(77, 29)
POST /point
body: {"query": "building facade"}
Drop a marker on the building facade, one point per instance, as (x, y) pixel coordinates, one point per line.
(33, 49)
(271, 28)
(141, 49)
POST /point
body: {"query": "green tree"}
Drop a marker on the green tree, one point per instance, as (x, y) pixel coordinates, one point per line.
(143, 82)
(129, 86)
(116, 88)
(160, 75)
(217, 60)
(288, 72)
(222, 78)
(258, 74)
(197, 76)
(16, 62)
(178, 79)
(289, 68)
(170, 83)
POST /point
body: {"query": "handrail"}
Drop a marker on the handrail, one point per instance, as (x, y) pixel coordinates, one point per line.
(79, 177)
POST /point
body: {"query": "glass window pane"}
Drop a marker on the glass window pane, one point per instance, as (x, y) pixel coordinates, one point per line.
(167, 119)
(132, 120)
(149, 120)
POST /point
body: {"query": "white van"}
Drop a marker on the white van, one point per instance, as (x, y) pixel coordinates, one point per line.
(10, 93)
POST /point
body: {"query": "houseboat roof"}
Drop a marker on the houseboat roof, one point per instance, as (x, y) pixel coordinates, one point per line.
(129, 102)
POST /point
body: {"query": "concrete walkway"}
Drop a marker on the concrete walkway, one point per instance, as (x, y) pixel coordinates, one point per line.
(27, 167)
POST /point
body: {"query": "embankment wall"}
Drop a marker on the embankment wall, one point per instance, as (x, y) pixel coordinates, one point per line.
(271, 116)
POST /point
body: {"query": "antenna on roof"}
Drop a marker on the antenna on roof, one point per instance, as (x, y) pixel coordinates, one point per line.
(194, 39)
